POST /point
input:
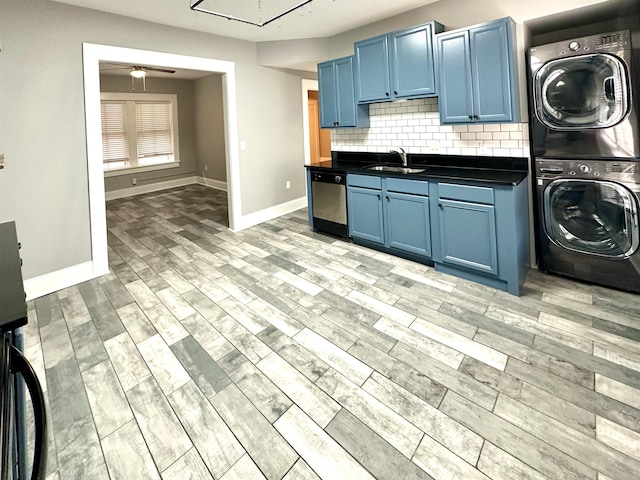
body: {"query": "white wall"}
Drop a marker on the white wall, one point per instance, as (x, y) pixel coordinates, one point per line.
(44, 186)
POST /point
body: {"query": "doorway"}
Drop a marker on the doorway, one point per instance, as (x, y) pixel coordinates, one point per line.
(93, 54)
(319, 138)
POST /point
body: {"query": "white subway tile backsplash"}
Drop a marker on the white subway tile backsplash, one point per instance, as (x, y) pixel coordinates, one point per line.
(502, 152)
(501, 135)
(415, 126)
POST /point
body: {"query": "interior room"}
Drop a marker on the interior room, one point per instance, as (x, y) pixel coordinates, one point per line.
(320, 239)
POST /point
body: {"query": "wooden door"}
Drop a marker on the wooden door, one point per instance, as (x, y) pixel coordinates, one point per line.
(319, 138)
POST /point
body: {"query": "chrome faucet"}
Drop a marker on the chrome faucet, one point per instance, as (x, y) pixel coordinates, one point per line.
(403, 155)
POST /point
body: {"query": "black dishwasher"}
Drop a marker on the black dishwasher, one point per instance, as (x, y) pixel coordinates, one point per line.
(16, 372)
(329, 202)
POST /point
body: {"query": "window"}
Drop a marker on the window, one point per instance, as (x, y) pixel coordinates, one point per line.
(139, 132)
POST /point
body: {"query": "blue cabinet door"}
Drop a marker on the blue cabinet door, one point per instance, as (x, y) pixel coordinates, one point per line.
(454, 86)
(477, 79)
(408, 223)
(372, 69)
(412, 71)
(365, 214)
(327, 94)
(468, 235)
(346, 101)
(337, 95)
(491, 72)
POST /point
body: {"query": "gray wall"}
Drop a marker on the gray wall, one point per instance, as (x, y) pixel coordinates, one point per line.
(455, 14)
(184, 89)
(209, 128)
(44, 186)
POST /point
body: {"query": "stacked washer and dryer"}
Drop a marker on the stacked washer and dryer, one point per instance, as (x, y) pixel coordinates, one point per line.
(586, 156)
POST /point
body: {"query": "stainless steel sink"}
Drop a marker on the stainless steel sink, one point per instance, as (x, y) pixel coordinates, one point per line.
(395, 168)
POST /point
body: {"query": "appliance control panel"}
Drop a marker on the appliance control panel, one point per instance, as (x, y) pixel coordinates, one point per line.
(612, 41)
(622, 171)
(329, 177)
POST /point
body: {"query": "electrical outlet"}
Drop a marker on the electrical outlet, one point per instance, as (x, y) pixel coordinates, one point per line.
(1, 161)
(434, 145)
(287, 185)
(483, 149)
(134, 181)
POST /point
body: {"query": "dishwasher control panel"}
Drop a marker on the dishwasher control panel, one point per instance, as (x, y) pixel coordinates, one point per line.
(327, 177)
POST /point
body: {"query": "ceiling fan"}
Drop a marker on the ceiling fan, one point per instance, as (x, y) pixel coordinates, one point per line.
(138, 71)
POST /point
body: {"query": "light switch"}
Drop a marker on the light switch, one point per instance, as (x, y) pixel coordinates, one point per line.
(243, 145)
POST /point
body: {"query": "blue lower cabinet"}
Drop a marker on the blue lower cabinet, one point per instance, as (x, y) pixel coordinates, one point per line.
(390, 213)
(364, 207)
(479, 232)
(468, 235)
(408, 223)
(482, 232)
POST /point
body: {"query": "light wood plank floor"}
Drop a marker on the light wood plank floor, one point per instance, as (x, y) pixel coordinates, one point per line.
(282, 354)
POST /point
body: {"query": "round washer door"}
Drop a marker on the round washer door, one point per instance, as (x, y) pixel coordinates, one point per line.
(582, 92)
(592, 216)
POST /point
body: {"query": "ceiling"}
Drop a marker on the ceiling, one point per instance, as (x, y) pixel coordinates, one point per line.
(326, 18)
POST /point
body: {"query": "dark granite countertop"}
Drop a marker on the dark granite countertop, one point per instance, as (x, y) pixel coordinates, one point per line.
(496, 170)
(13, 309)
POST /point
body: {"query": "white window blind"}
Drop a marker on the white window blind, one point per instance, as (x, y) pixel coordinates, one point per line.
(139, 132)
(153, 126)
(115, 143)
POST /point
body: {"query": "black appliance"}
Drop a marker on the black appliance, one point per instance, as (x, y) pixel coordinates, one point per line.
(588, 214)
(16, 372)
(585, 98)
(329, 202)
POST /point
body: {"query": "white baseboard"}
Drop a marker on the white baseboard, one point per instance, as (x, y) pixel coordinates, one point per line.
(270, 213)
(152, 187)
(210, 182)
(51, 282)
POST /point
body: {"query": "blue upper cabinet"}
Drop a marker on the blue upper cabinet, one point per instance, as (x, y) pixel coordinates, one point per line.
(412, 65)
(399, 64)
(477, 76)
(372, 69)
(337, 96)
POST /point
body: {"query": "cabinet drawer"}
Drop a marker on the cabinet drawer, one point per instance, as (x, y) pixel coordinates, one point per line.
(467, 193)
(365, 181)
(416, 187)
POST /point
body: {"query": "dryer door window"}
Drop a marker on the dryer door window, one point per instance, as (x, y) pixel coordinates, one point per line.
(587, 91)
(590, 216)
